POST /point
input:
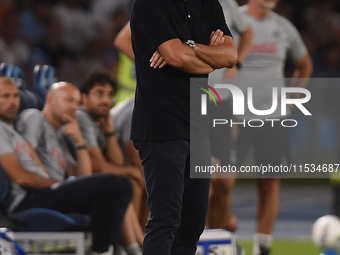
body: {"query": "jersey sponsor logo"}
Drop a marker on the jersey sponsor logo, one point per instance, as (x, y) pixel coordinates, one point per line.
(264, 48)
(22, 147)
(59, 157)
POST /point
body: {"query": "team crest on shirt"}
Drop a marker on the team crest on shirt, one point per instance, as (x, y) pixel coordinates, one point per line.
(276, 34)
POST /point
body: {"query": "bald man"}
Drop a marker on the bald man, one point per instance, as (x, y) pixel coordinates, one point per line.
(104, 197)
(43, 131)
(46, 130)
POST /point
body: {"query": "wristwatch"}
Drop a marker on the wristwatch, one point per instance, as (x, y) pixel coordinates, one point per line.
(191, 44)
(239, 65)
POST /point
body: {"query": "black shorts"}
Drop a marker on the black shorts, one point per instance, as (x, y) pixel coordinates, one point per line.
(271, 144)
(221, 143)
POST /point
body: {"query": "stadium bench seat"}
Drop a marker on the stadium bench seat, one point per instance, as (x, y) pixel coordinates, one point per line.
(28, 99)
(43, 78)
(38, 223)
(41, 223)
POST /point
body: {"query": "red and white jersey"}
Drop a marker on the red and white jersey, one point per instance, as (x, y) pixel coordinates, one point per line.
(275, 38)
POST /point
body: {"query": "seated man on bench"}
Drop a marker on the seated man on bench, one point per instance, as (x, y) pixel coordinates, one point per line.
(97, 195)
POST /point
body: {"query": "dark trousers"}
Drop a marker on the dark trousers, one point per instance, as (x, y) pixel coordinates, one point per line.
(104, 197)
(336, 199)
(178, 204)
(221, 143)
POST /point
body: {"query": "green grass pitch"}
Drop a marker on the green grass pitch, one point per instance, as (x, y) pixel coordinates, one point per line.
(286, 248)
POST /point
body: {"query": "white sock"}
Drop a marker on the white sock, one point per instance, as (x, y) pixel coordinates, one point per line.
(109, 252)
(133, 249)
(261, 240)
(119, 250)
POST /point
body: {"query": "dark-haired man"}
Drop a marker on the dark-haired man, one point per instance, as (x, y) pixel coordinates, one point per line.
(174, 41)
(95, 121)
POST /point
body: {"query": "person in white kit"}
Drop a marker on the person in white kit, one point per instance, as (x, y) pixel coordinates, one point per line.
(221, 139)
(275, 38)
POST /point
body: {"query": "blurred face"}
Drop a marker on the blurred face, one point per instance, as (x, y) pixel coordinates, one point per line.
(268, 4)
(99, 100)
(9, 100)
(65, 101)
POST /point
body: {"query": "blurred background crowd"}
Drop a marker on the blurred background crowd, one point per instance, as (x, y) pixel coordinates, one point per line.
(76, 36)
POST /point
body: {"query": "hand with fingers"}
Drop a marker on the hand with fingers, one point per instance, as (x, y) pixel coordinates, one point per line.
(216, 38)
(72, 128)
(106, 123)
(157, 60)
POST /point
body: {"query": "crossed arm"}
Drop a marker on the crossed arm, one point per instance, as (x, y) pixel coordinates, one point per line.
(204, 59)
(221, 52)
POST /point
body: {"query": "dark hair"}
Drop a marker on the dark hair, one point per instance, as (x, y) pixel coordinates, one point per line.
(97, 77)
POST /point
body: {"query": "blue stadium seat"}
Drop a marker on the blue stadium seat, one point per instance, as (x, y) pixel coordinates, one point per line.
(6, 69)
(35, 219)
(34, 100)
(28, 99)
(40, 219)
(4, 186)
(44, 77)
